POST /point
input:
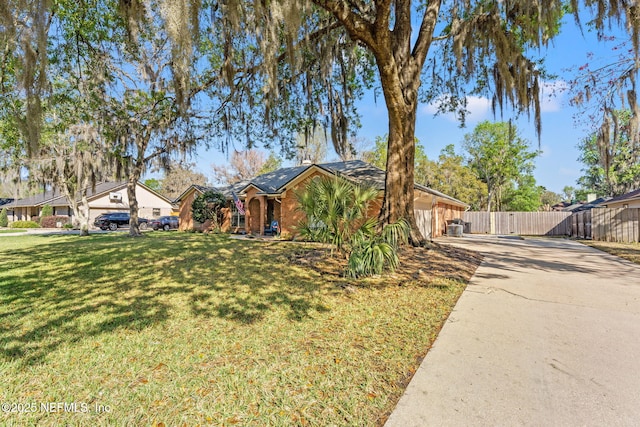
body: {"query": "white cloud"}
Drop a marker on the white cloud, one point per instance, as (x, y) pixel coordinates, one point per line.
(552, 97)
(478, 109)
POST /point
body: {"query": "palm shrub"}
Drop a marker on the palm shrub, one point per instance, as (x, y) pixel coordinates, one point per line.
(4, 218)
(336, 213)
(371, 252)
(334, 209)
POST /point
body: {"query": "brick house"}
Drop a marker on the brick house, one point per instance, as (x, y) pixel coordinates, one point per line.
(271, 197)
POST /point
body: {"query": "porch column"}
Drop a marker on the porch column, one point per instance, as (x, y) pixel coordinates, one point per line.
(247, 215)
(263, 212)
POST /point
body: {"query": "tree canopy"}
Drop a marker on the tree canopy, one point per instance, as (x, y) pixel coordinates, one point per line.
(244, 165)
(451, 175)
(611, 166)
(179, 176)
(499, 157)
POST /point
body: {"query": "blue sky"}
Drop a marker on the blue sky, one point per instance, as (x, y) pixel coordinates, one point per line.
(556, 167)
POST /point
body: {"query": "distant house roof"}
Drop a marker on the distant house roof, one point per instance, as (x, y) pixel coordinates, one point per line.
(631, 195)
(55, 198)
(5, 201)
(577, 207)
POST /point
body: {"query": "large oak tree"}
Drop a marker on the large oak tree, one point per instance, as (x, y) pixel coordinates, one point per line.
(423, 51)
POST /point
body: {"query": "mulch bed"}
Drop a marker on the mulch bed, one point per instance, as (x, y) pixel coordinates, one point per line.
(418, 266)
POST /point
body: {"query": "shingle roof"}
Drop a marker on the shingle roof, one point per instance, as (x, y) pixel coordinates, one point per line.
(226, 190)
(358, 171)
(37, 199)
(271, 182)
(586, 206)
(628, 196)
(368, 174)
(232, 188)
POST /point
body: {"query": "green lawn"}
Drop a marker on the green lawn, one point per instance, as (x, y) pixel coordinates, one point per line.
(187, 329)
(12, 230)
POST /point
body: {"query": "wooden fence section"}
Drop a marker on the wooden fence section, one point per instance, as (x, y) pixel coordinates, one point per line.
(581, 225)
(611, 225)
(524, 223)
(616, 225)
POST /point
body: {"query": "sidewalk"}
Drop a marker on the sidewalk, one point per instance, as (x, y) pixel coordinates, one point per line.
(546, 334)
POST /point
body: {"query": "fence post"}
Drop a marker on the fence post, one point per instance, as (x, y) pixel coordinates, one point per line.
(492, 223)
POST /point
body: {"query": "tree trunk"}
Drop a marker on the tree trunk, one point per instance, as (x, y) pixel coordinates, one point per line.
(84, 225)
(134, 226)
(399, 182)
(80, 209)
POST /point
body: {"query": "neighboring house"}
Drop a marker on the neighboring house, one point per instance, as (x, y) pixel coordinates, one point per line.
(271, 197)
(629, 200)
(106, 197)
(579, 207)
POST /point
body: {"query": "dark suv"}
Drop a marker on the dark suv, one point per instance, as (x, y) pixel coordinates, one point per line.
(165, 222)
(113, 220)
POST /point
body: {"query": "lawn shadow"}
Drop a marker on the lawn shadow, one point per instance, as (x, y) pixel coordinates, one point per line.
(62, 290)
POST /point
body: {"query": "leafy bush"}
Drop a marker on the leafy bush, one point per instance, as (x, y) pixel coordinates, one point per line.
(335, 211)
(52, 221)
(47, 210)
(25, 224)
(4, 218)
(208, 206)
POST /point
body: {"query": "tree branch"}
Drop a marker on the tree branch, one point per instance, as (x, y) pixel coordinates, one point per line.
(425, 35)
(358, 27)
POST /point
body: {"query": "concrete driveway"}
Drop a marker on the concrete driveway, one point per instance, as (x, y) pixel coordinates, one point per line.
(546, 334)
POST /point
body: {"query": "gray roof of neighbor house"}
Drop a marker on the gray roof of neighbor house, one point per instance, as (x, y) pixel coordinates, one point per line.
(577, 207)
(355, 170)
(37, 199)
(635, 194)
(55, 198)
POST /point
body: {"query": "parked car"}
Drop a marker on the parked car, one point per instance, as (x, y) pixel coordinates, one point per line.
(114, 220)
(165, 222)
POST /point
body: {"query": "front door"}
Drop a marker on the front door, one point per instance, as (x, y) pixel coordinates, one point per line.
(270, 203)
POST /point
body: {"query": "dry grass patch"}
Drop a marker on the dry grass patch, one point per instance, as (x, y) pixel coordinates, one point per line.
(628, 251)
(188, 329)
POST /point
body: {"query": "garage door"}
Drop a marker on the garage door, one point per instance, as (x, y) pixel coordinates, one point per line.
(423, 219)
